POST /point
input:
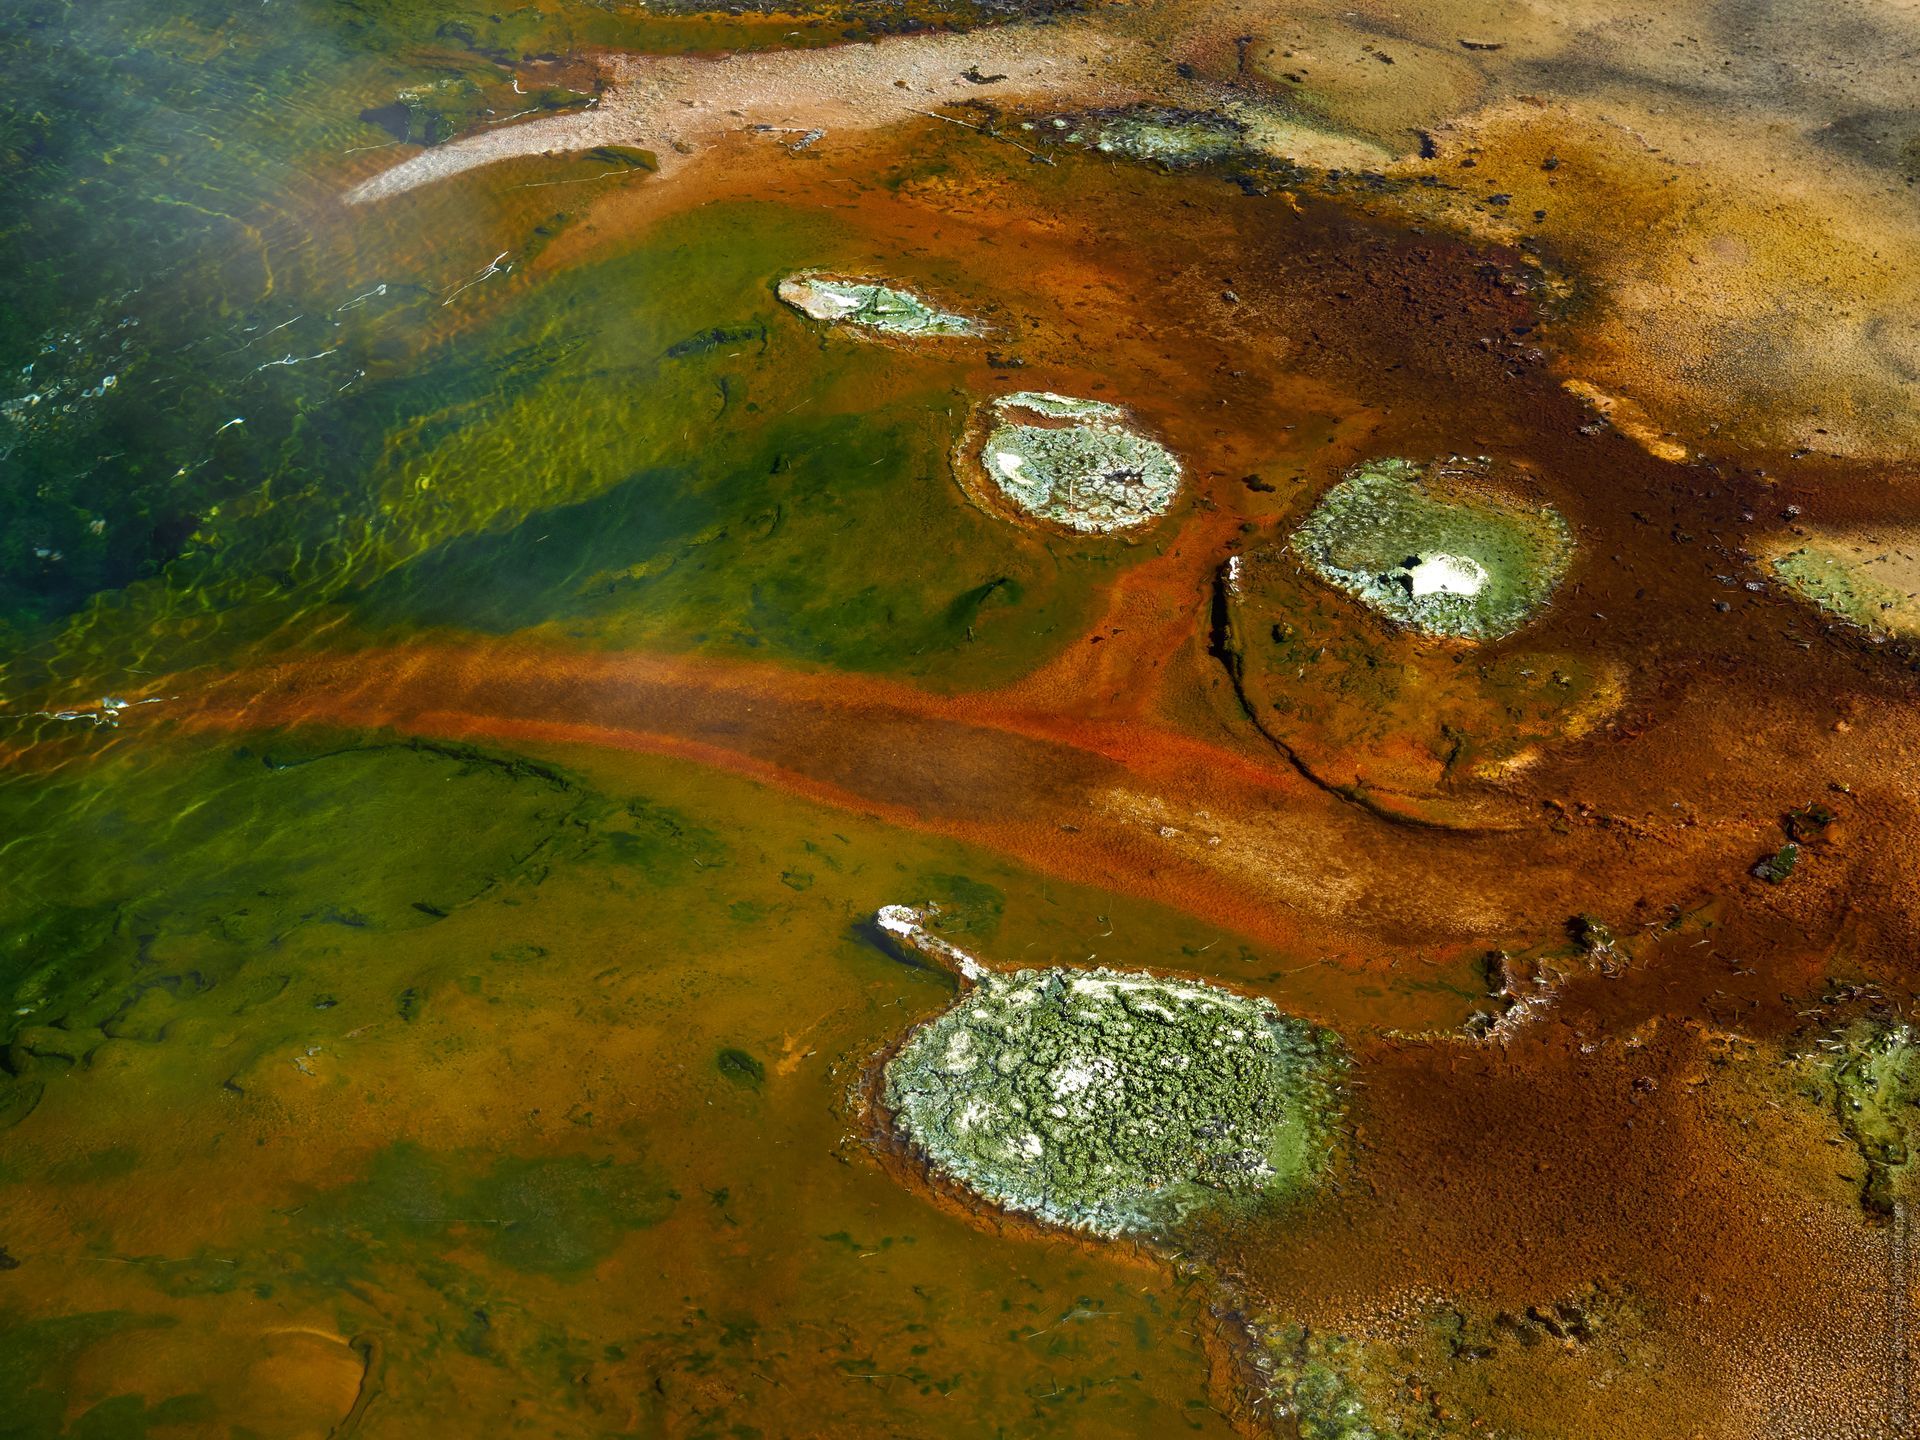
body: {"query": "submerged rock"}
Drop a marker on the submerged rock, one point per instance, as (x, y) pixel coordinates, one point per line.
(1107, 1101)
(1075, 463)
(1435, 549)
(872, 304)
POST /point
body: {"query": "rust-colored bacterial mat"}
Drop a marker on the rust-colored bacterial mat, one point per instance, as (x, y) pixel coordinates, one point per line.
(972, 718)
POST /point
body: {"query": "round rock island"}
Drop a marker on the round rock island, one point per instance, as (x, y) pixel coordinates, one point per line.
(1111, 1102)
(1439, 549)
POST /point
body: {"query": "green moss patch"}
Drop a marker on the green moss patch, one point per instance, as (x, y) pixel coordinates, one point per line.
(1844, 581)
(1869, 1073)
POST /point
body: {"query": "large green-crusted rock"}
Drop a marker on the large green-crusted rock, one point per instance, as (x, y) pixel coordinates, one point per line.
(1108, 1101)
(1079, 464)
(1435, 549)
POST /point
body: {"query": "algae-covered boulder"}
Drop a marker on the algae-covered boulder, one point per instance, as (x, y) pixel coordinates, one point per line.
(1111, 1102)
(1083, 465)
(869, 304)
(1436, 549)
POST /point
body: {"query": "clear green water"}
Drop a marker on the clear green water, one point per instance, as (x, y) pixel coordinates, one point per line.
(348, 1081)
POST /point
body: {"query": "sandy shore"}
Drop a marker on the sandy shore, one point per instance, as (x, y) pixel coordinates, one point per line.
(677, 106)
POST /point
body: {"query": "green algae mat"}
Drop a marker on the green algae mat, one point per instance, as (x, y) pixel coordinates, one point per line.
(1110, 1102)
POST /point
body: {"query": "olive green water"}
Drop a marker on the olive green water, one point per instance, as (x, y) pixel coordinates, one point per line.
(356, 1085)
(564, 1127)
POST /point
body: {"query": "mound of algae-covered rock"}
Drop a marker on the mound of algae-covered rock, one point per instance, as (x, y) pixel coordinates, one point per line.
(1435, 548)
(1080, 464)
(870, 304)
(1108, 1101)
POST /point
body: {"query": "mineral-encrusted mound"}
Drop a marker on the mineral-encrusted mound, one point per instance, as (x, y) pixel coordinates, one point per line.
(1436, 548)
(1114, 1102)
(1078, 464)
(870, 304)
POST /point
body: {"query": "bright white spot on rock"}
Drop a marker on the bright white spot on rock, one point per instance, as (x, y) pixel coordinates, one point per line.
(1438, 573)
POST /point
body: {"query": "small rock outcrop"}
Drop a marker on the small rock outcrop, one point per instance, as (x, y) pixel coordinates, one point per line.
(871, 305)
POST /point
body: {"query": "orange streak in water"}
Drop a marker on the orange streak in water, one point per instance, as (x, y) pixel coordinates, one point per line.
(1114, 801)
